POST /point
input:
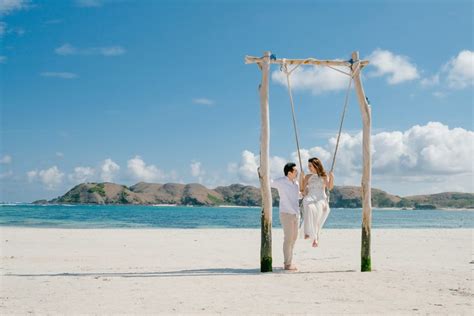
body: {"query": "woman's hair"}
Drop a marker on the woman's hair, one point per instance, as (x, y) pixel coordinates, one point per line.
(318, 165)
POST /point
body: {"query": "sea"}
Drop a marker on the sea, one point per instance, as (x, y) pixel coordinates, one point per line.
(165, 216)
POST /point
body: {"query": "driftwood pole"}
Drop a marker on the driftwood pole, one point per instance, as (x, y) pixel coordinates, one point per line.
(366, 169)
(264, 170)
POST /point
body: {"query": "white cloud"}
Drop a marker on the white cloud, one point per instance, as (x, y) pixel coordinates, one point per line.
(3, 59)
(32, 175)
(16, 30)
(439, 94)
(232, 167)
(398, 68)
(174, 176)
(60, 75)
(59, 154)
(141, 172)
(68, 49)
(197, 171)
(430, 81)
(247, 168)
(52, 178)
(438, 149)
(432, 149)
(6, 159)
(306, 154)
(109, 51)
(276, 166)
(195, 168)
(460, 70)
(419, 156)
(313, 78)
(109, 170)
(458, 73)
(9, 6)
(81, 175)
(89, 3)
(203, 101)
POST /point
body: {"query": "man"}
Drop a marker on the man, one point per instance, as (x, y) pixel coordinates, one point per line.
(288, 189)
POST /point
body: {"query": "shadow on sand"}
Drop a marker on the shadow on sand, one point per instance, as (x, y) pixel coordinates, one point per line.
(178, 273)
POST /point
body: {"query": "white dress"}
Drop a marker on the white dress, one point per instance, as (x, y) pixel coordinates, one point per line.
(315, 207)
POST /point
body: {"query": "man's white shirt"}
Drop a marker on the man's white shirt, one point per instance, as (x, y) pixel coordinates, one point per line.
(289, 192)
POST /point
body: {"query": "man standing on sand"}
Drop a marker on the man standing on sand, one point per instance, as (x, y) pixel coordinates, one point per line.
(289, 191)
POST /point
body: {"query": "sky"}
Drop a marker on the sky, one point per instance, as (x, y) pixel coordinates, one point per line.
(157, 91)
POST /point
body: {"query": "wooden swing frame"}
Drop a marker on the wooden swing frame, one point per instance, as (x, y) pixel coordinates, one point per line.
(355, 65)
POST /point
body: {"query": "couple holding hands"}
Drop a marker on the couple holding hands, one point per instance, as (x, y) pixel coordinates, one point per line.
(312, 188)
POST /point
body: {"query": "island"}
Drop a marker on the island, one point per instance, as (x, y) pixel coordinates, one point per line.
(243, 195)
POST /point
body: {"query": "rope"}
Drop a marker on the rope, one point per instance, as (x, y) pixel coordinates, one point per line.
(342, 72)
(284, 67)
(343, 116)
(340, 124)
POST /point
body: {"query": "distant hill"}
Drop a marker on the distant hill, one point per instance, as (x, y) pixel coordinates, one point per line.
(242, 195)
(141, 193)
(442, 200)
(350, 197)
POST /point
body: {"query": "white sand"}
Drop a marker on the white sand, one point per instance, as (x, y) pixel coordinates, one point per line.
(217, 271)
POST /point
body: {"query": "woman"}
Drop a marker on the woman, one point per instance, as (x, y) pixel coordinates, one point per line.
(315, 201)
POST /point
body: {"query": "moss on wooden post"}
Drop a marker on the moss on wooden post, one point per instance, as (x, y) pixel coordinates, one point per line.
(266, 246)
(365, 263)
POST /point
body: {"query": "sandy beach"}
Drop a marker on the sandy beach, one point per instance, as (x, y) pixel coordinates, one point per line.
(208, 271)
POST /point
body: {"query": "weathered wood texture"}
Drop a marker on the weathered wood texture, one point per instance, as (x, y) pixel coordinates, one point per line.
(366, 168)
(264, 169)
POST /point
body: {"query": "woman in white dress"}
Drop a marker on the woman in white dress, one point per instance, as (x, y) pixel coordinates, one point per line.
(315, 201)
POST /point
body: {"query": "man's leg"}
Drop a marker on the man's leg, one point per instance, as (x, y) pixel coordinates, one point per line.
(294, 232)
(286, 223)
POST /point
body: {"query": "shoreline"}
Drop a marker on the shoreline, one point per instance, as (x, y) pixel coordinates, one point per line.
(142, 228)
(224, 206)
(209, 271)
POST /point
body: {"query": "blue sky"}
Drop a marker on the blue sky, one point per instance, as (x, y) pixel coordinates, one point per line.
(157, 91)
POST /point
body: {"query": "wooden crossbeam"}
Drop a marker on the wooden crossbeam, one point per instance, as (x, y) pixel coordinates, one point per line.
(307, 61)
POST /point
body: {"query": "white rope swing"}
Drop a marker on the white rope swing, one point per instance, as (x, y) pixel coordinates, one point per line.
(284, 68)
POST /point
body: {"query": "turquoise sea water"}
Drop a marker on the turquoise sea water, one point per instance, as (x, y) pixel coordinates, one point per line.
(124, 216)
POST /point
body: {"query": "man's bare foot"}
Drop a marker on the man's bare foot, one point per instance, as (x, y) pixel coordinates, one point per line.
(306, 236)
(290, 267)
(315, 243)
